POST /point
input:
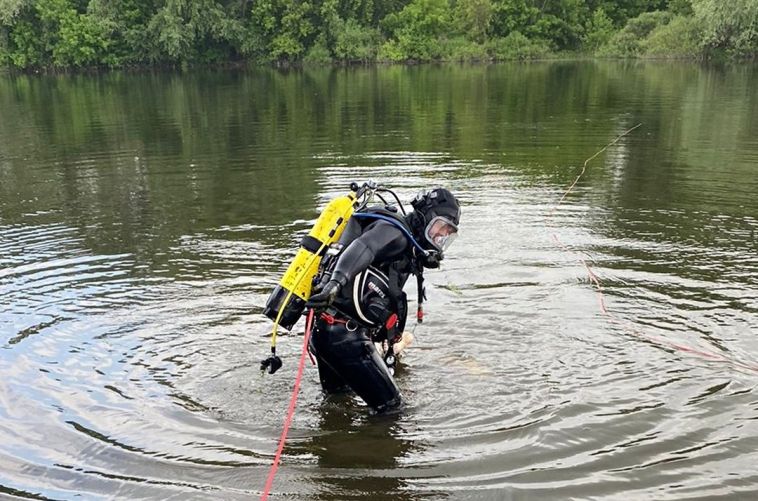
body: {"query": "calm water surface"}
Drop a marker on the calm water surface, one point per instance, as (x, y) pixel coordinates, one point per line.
(144, 218)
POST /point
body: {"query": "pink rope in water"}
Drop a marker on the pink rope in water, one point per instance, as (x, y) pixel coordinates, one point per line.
(595, 280)
(290, 409)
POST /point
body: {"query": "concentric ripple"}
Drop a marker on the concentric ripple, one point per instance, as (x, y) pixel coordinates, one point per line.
(145, 218)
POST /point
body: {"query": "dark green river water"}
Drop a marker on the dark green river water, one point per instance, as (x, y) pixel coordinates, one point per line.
(144, 218)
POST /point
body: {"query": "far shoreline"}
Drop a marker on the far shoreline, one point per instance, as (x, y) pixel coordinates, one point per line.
(308, 65)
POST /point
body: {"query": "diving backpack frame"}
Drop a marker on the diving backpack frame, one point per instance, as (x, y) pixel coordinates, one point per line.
(286, 302)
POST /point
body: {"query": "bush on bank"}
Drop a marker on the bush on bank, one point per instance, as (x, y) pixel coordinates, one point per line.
(691, 28)
(116, 33)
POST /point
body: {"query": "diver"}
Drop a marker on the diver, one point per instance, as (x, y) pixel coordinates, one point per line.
(359, 298)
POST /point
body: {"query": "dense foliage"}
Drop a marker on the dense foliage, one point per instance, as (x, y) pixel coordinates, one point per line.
(82, 33)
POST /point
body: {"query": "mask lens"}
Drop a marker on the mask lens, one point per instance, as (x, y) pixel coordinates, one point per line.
(441, 232)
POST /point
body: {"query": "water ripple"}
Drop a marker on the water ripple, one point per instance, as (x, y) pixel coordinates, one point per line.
(138, 248)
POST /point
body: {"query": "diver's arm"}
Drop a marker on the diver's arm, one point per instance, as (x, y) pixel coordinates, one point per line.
(381, 242)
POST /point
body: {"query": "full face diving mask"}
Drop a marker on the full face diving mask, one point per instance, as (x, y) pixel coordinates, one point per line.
(439, 213)
(441, 232)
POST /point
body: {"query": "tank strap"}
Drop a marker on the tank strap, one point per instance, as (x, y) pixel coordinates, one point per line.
(394, 220)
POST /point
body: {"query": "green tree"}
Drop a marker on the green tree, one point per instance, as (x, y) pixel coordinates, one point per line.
(558, 22)
(353, 42)
(680, 7)
(517, 46)
(346, 29)
(682, 37)
(513, 15)
(74, 33)
(188, 30)
(599, 31)
(415, 30)
(53, 32)
(629, 42)
(9, 9)
(284, 27)
(731, 27)
(621, 11)
(126, 23)
(473, 18)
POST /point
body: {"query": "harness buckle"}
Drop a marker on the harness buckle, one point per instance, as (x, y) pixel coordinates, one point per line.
(331, 319)
(391, 321)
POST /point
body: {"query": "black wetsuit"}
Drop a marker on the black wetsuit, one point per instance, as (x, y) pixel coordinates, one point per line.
(347, 357)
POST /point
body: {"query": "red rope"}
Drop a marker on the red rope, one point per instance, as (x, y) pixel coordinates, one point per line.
(290, 409)
(601, 297)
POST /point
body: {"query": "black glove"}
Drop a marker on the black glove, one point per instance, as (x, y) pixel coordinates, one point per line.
(325, 297)
(432, 259)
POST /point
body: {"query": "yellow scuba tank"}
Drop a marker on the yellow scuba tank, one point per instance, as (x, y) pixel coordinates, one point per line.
(294, 288)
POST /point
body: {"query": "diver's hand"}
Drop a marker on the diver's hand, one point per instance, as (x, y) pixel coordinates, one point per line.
(432, 260)
(325, 297)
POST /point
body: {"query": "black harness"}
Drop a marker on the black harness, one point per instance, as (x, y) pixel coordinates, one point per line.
(411, 263)
(370, 283)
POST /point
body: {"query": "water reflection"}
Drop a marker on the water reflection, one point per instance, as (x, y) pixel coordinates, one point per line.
(359, 454)
(145, 217)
